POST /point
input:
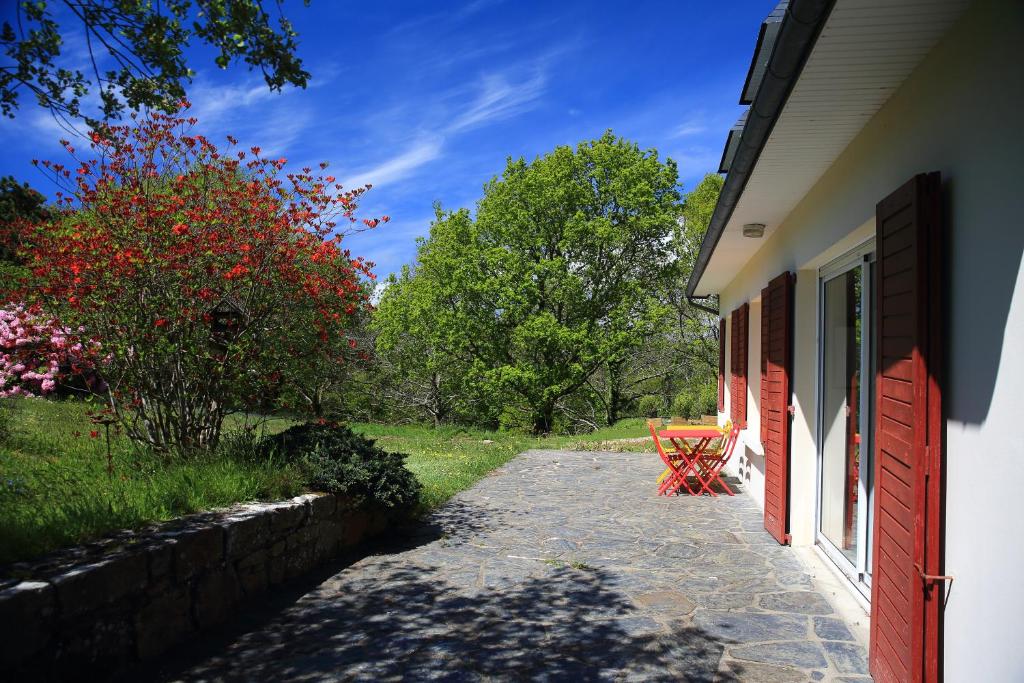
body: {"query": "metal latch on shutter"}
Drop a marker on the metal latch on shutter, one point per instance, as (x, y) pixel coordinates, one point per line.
(930, 580)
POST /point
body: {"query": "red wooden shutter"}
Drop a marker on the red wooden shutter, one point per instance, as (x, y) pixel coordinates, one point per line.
(721, 365)
(776, 369)
(905, 604)
(764, 361)
(738, 358)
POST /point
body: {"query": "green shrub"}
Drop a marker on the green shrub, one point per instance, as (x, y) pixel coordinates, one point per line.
(696, 401)
(707, 400)
(650, 406)
(682, 405)
(337, 460)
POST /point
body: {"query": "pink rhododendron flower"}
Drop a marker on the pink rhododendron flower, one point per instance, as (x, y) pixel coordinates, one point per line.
(34, 353)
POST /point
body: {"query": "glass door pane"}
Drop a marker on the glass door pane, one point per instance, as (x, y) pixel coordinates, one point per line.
(841, 407)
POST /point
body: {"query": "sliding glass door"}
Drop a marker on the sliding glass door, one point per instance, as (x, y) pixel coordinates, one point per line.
(845, 449)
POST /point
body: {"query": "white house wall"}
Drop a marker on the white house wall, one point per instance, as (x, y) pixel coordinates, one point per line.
(960, 112)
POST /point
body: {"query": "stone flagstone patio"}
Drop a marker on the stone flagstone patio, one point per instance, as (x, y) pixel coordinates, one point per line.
(558, 566)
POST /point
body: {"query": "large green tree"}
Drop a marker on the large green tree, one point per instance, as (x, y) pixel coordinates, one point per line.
(553, 278)
(136, 50)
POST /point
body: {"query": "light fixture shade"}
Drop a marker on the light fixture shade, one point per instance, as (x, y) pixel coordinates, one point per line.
(753, 230)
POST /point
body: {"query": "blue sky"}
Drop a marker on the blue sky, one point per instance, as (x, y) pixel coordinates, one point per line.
(425, 100)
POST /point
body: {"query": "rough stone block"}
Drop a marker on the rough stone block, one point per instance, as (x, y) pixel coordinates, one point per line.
(84, 588)
(197, 550)
(323, 506)
(285, 517)
(245, 535)
(356, 526)
(100, 642)
(747, 627)
(344, 504)
(848, 657)
(160, 558)
(301, 553)
(300, 559)
(797, 602)
(163, 622)
(26, 612)
(301, 537)
(276, 569)
(379, 521)
(830, 628)
(671, 602)
(252, 572)
(804, 654)
(217, 593)
(329, 536)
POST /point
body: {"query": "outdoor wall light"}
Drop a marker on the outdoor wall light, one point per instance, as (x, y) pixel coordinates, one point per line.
(753, 230)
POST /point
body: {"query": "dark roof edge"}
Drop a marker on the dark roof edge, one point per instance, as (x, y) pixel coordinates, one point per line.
(753, 63)
(800, 29)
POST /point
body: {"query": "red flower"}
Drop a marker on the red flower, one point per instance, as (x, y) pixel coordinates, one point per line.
(160, 322)
(94, 434)
(180, 229)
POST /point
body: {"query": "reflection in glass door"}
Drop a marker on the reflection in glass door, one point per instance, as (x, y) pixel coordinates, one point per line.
(846, 388)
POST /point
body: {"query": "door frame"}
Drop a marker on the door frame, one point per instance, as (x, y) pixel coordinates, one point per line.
(859, 573)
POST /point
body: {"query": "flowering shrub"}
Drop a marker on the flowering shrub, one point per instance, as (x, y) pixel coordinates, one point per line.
(34, 353)
(208, 277)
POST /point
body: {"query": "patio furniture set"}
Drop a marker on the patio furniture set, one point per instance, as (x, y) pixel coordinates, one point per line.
(694, 458)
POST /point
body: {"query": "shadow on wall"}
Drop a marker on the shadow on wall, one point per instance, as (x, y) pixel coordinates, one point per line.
(750, 460)
(402, 620)
(985, 264)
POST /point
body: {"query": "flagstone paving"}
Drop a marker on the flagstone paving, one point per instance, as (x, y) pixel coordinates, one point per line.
(558, 566)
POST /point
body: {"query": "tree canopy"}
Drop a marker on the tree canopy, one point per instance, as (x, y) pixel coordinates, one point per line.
(136, 51)
(552, 279)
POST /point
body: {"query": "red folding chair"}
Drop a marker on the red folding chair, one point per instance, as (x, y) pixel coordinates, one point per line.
(677, 465)
(711, 462)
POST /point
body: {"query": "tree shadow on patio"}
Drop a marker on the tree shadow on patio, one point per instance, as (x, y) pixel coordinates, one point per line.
(395, 616)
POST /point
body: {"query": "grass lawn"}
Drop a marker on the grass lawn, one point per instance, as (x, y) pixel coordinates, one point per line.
(55, 489)
(449, 459)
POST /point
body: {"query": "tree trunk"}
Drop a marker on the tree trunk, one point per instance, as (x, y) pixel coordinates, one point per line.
(437, 408)
(543, 419)
(614, 404)
(316, 404)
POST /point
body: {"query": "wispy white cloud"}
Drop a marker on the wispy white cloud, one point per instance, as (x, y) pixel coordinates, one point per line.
(499, 99)
(471, 8)
(211, 103)
(251, 112)
(695, 162)
(687, 129)
(423, 151)
(492, 98)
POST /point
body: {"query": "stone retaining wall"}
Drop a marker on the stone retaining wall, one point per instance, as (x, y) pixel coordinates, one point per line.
(96, 609)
